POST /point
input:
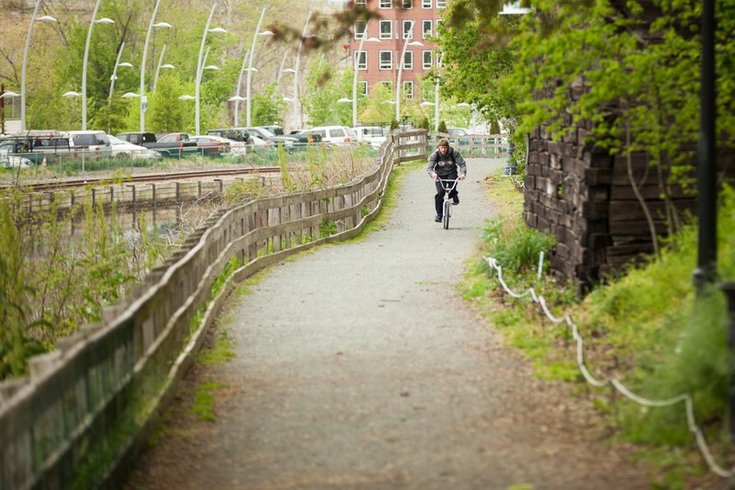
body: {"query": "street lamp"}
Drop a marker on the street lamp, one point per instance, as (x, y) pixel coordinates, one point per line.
(129, 95)
(45, 18)
(296, 108)
(406, 43)
(356, 66)
(167, 66)
(250, 63)
(143, 98)
(200, 62)
(114, 70)
(186, 97)
(514, 8)
(92, 22)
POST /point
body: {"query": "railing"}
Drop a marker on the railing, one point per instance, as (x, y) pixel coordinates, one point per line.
(475, 145)
(85, 407)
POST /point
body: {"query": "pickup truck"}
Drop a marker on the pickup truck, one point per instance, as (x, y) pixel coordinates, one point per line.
(175, 149)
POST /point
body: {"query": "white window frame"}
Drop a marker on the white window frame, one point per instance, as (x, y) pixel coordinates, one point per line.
(362, 88)
(440, 4)
(387, 84)
(408, 89)
(359, 28)
(406, 4)
(386, 4)
(361, 2)
(426, 4)
(424, 33)
(388, 35)
(361, 59)
(388, 66)
(407, 27)
(408, 60)
(424, 64)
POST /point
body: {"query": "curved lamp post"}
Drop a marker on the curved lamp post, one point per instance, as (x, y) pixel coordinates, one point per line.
(151, 25)
(92, 22)
(250, 64)
(296, 105)
(356, 65)
(159, 66)
(406, 43)
(45, 18)
(237, 98)
(200, 62)
(113, 78)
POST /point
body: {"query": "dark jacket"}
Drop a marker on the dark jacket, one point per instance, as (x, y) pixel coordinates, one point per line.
(446, 166)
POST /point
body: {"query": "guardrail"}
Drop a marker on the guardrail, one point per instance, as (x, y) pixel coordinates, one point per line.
(84, 407)
(475, 145)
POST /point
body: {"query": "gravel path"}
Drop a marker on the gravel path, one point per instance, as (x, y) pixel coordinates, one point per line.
(358, 367)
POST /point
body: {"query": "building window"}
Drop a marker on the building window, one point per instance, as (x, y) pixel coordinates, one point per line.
(362, 88)
(426, 4)
(361, 59)
(360, 30)
(407, 4)
(388, 85)
(386, 29)
(408, 60)
(426, 62)
(386, 4)
(426, 29)
(440, 4)
(407, 29)
(360, 2)
(386, 60)
(408, 89)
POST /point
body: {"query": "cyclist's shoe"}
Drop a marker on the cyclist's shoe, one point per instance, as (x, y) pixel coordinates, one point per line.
(438, 218)
(455, 200)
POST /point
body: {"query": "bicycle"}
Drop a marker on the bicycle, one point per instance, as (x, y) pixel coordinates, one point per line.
(448, 185)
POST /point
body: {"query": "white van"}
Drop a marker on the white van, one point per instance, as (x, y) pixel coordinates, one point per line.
(374, 136)
(336, 135)
(90, 142)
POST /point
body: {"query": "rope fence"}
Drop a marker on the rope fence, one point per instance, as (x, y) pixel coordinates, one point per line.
(617, 384)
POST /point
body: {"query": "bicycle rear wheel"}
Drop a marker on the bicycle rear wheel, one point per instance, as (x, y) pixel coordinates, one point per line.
(447, 208)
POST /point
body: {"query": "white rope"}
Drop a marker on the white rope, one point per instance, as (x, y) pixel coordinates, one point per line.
(685, 397)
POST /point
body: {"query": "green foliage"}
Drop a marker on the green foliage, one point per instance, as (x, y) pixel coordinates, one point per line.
(328, 228)
(424, 124)
(165, 111)
(393, 124)
(324, 86)
(268, 106)
(374, 110)
(203, 407)
(519, 248)
(443, 127)
(218, 353)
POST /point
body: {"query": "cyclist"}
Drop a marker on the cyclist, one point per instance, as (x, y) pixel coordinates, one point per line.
(445, 163)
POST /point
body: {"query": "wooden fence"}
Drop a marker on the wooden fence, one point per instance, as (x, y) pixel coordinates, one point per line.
(474, 145)
(84, 407)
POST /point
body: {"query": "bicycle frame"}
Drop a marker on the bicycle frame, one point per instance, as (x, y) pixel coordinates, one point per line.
(448, 185)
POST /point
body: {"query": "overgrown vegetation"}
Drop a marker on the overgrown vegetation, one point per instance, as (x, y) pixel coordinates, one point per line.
(633, 331)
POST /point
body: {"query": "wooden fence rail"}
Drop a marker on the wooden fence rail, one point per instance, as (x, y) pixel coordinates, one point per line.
(84, 407)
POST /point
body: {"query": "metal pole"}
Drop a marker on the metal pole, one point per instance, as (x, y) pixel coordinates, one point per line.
(239, 84)
(400, 71)
(354, 75)
(436, 92)
(84, 65)
(200, 65)
(143, 100)
(250, 67)
(23, 69)
(158, 67)
(114, 71)
(706, 270)
(296, 105)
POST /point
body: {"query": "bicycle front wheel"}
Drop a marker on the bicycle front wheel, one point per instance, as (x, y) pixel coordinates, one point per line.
(447, 207)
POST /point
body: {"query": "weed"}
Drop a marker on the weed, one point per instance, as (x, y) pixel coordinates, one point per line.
(220, 352)
(203, 407)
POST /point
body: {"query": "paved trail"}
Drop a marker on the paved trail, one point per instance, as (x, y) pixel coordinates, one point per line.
(358, 367)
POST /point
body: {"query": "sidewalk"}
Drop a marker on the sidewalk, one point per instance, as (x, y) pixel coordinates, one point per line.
(357, 366)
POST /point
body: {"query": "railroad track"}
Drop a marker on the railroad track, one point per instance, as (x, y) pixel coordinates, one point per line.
(183, 175)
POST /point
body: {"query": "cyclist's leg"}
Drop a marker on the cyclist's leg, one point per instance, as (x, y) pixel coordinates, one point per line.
(439, 198)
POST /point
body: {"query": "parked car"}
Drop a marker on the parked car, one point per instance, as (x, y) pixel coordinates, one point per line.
(457, 132)
(374, 136)
(51, 146)
(336, 135)
(170, 148)
(93, 141)
(123, 149)
(8, 159)
(275, 129)
(234, 134)
(259, 145)
(263, 133)
(213, 146)
(307, 137)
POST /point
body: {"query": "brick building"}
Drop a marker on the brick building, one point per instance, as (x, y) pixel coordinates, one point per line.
(378, 62)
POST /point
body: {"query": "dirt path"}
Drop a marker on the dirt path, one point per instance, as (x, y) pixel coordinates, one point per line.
(358, 367)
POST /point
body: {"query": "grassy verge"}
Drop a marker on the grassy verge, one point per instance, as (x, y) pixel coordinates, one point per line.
(645, 328)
